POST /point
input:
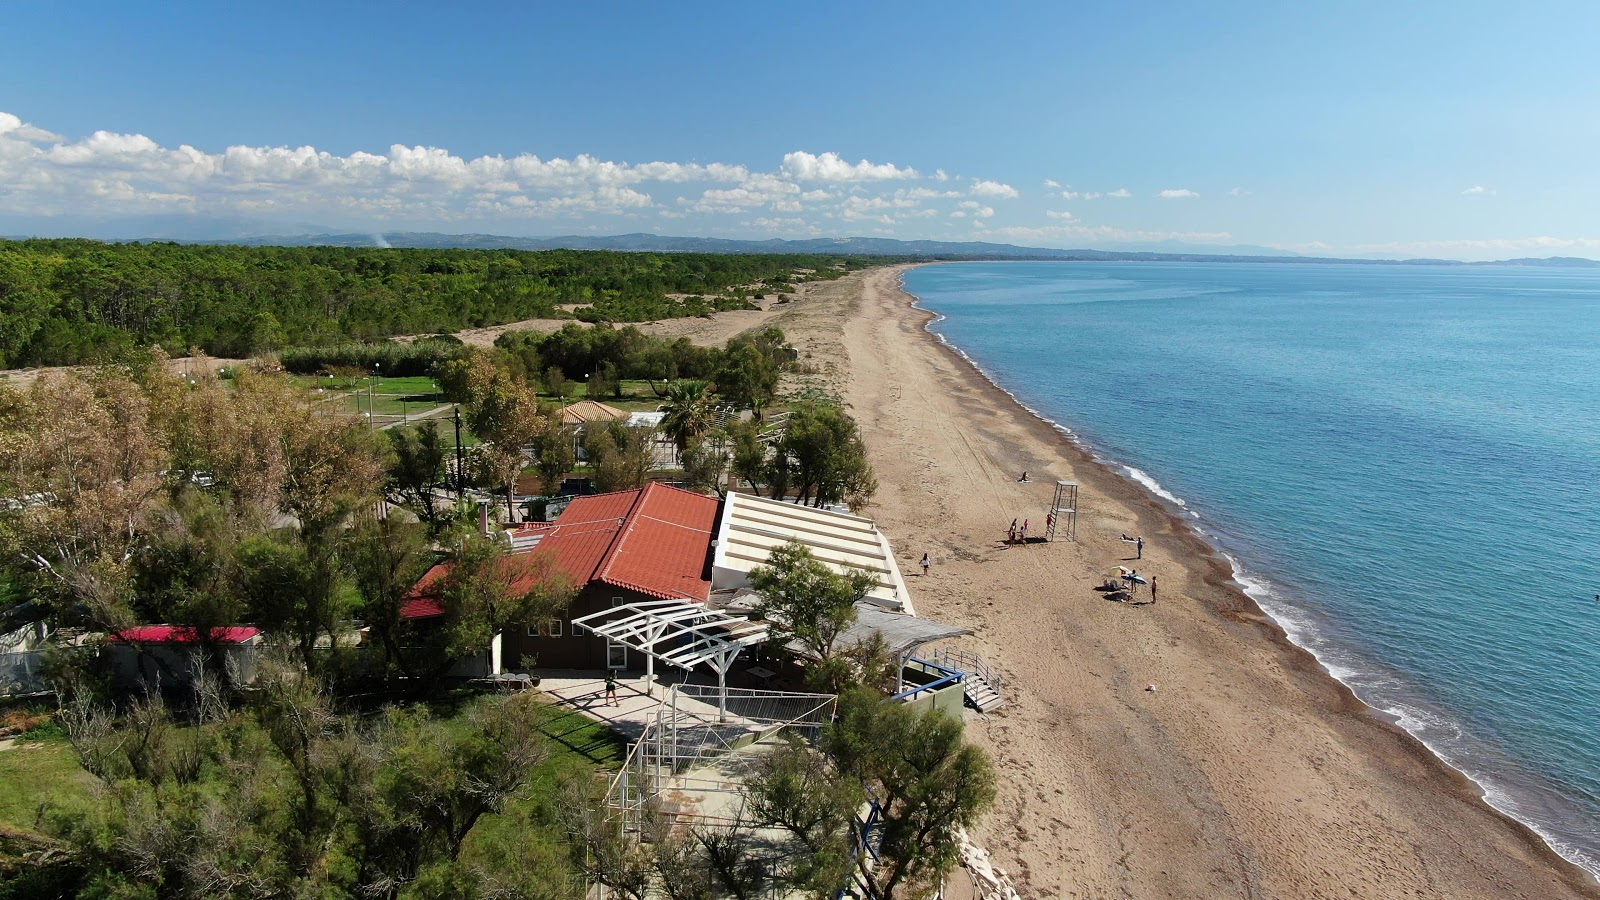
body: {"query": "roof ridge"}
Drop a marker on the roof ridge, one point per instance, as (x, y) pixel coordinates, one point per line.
(678, 524)
(609, 557)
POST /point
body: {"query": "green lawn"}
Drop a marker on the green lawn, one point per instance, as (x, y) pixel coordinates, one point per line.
(39, 773)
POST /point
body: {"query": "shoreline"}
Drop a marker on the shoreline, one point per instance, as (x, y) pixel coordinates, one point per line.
(1377, 751)
(1241, 576)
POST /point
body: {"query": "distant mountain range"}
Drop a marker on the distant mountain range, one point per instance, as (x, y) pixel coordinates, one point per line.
(1169, 251)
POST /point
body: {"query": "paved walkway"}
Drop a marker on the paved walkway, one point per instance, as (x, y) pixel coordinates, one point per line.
(585, 691)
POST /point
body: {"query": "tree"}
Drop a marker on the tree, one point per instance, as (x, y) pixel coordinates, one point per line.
(386, 557)
(704, 465)
(750, 456)
(417, 464)
(605, 382)
(822, 452)
(623, 458)
(689, 412)
(506, 417)
(298, 591)
(798, 789)
(485, 591)
(464, 376)
(805, 600)
(747, 378)
(555, 382)
(925, 781)
(553, 453)
(287, 798)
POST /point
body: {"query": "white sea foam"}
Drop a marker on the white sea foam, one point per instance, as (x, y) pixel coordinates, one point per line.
(1428, 728)
(1154, 486)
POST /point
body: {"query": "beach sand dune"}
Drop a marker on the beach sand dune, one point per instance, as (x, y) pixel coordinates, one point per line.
(1248, 772)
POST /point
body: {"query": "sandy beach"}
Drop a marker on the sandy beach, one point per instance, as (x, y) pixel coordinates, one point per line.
(1247, 772)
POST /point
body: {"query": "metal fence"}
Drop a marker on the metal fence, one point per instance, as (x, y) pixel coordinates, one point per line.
(687, 731)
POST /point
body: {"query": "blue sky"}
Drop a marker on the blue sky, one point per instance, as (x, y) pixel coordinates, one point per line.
(1463, 129)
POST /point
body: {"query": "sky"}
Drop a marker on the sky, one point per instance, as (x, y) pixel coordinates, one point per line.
(1465, 130)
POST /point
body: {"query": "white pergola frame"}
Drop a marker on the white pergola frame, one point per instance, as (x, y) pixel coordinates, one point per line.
(715, 638)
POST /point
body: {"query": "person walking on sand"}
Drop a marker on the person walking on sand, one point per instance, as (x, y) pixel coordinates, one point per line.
(1139, 545)
(926, 564)
(1024, 533)
(611, 687)
(1011, 538)
(1152, 590)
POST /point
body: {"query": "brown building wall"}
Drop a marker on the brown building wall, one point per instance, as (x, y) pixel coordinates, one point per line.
(570, 650)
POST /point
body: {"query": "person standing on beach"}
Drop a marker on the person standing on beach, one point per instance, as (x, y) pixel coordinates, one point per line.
(926, 564)
(1023, 535)
(1152, 590)
(1011, 537)
(1139, 544)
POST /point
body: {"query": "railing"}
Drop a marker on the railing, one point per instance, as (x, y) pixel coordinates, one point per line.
(966, 661)
(686, 731)
(951, 676)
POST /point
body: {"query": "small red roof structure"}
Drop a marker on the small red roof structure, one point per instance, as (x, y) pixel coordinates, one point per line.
(183, 634)
(656, 541)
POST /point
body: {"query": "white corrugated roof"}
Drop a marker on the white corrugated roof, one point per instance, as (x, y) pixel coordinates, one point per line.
(751, 527)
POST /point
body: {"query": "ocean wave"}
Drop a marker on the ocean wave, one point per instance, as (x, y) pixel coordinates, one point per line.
(1443, 736)
(1154, 486)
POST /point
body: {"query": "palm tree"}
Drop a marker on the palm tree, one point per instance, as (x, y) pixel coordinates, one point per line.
(689, 412)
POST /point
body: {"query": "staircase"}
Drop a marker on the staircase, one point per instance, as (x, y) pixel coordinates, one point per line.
(982, 684)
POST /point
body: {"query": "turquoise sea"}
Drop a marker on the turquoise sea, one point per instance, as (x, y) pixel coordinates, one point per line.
(1402, 462)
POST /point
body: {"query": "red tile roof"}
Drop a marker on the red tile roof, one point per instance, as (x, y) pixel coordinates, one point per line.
(656, 541)
(664, 548)
(183, 634)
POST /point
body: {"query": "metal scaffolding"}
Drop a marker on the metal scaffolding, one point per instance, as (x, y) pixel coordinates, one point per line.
(678, 633)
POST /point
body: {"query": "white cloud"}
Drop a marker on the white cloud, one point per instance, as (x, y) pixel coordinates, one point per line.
(1177, 194)
(803, 166)
(1081, 195)
(1052, 184)
(1060, 214)
(16, 129)
(958, 214)
(1120, 193)
(993, 189)
(1477, 189)
(112, 174)
(969, 204)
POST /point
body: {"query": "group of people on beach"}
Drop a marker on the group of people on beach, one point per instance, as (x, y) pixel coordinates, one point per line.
(1017, 535)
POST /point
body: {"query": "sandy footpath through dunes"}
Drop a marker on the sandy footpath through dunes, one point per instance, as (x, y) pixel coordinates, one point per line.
(1247, 773)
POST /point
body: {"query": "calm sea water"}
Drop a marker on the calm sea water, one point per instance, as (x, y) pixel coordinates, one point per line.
(1403, 462)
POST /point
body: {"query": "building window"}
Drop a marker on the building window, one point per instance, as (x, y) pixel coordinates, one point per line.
(552, 628)
(533, 631)
(616, 601)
